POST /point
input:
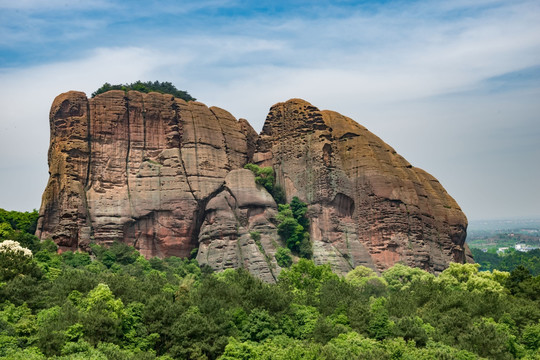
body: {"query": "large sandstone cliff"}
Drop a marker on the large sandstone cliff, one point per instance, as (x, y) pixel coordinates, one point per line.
(368, 205)
(166, 176)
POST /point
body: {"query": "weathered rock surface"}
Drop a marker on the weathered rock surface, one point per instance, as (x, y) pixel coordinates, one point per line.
(367, 205)
(238, 229)
(138, 168)
(166, 176)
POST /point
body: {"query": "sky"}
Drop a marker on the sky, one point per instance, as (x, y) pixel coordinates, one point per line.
(453, 86)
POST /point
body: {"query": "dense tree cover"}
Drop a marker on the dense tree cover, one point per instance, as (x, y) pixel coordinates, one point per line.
(146, 87)
(509, 260)
(115, 304)
(18, 221)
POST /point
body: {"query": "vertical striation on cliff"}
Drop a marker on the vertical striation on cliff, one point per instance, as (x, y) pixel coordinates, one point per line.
(166, 176)
(367, 205)
(138, 168)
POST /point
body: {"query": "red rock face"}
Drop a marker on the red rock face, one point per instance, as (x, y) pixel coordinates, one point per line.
(166, 176)
(137, 168)
(367, 204)
(238, 228)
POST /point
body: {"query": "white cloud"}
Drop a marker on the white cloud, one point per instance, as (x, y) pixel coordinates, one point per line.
(25, 98)
(39, 5)
(392, 72)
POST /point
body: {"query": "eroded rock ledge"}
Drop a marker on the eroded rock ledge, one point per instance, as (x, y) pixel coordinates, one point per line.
(166, 176)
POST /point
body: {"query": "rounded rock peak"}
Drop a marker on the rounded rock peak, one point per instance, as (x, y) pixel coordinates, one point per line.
(69, 95)
(294, 102)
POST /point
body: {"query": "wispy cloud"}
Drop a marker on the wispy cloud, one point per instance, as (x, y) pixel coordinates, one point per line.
(440, 81)
(40, 5)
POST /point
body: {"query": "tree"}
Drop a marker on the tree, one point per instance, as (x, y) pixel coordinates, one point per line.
(264, 176)
(102, 315)
(296, 236)
(360, 275)
(379, 326)
(531, 336)
(400, 276)
(305, 280)
(283, 257)
(146, 87)
(517, 276)
(299, 210)
(16, 260)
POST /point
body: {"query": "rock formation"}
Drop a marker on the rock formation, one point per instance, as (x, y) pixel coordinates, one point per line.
(167, 176)
(367, 205)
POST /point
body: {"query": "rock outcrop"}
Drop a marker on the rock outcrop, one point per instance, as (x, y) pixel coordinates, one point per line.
(138, 168)
(166, 176)
(238, 229)
(367, 205)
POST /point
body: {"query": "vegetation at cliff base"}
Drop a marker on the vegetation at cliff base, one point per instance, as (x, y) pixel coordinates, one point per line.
(146, 87)
(115, 304)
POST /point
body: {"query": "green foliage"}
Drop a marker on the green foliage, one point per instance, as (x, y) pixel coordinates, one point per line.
(118, 305)
(531, 336)
(16, 260)
(146, 87)
(360, 276)
(118, 252)
(20, 227)
(265, 177)
(305, 280)
(467, 276)
(508, 261)
(293, 225)
(412, 328)
(278, 348)
(283, 257)
(255, 235)
(299, 210)
(380, 325)
(399, 276)
(290, 219)
(289, 229)
(76, 259)
(23, 221)
(278, 193)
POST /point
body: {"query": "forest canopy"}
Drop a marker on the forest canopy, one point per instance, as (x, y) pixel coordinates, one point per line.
(146, 87)
(112, 303)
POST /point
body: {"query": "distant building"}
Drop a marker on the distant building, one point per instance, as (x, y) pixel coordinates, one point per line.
(502, 250)
(524, 247)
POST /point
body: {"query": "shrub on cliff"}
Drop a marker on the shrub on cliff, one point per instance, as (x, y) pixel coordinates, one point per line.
(146, 87)
(283, 257)
(264, 176)
(293, 227)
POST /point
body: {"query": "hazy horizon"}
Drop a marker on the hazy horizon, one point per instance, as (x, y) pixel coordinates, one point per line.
(452, 86)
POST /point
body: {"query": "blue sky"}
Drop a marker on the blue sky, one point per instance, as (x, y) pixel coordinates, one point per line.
(453, 86)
